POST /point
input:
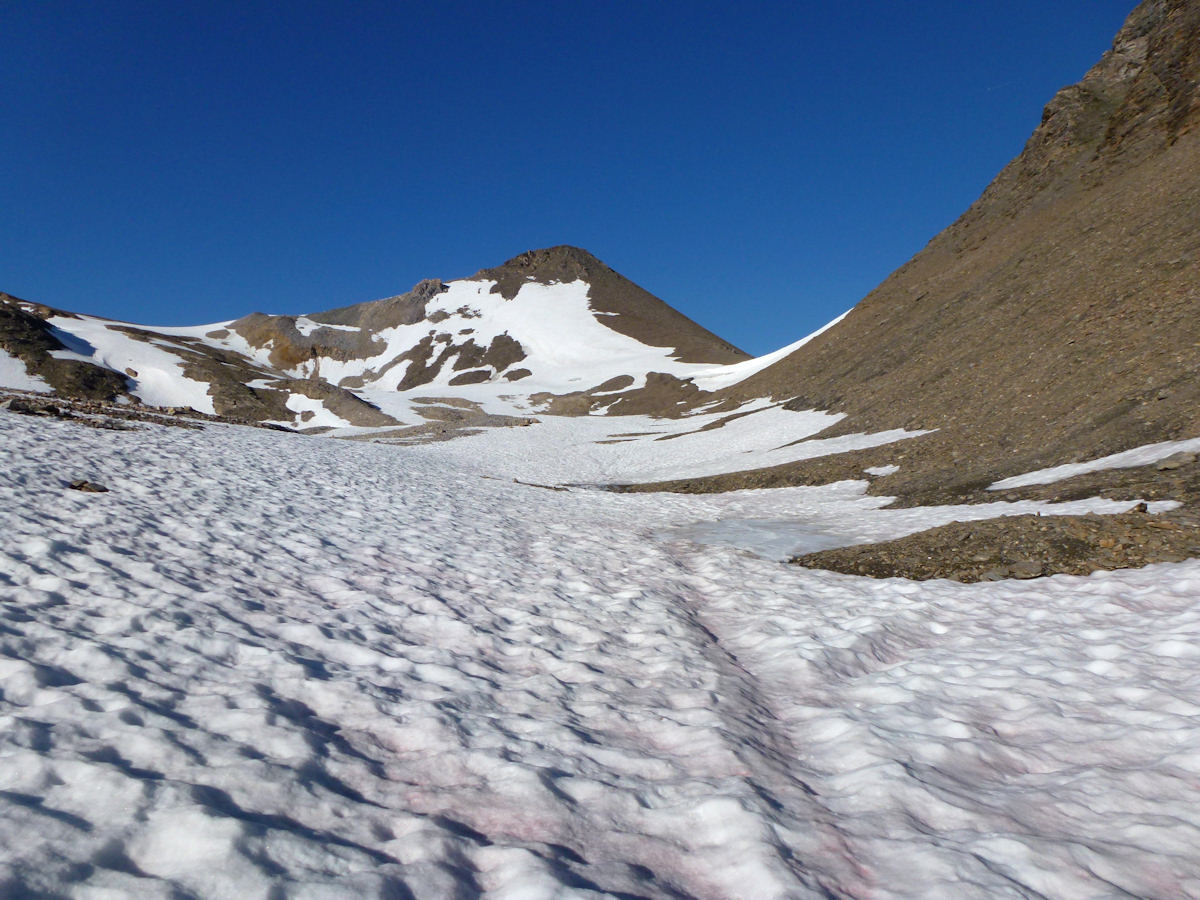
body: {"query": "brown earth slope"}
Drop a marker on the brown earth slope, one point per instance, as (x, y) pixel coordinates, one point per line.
(1058, 319)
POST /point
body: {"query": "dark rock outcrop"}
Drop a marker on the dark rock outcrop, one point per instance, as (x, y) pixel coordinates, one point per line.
(1021, 547)
(501, 353)
(352, 337)
(376, 315)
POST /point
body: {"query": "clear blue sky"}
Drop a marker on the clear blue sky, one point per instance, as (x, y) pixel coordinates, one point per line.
(760, 166)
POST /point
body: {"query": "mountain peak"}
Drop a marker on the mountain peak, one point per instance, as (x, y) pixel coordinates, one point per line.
(549, 256)
(623, 306)
(562, 263)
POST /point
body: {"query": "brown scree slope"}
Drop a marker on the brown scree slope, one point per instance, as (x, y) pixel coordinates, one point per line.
(1058, 319)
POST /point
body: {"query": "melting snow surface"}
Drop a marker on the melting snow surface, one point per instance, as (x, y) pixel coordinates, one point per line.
(268, 665)
(640, 449)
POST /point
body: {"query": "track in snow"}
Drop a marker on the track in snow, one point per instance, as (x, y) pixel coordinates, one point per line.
(276, 666)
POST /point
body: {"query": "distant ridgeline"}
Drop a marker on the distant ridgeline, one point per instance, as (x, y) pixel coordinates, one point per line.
(551, 330)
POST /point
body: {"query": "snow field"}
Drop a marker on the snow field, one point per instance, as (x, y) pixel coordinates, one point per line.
(633, 449)
(266, 665)
(13, 375)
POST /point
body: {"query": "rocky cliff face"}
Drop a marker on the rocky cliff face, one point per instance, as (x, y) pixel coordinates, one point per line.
(1059, 318)
(1138, 100)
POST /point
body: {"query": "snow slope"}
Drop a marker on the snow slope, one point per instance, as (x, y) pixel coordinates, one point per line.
(720, 377)
(266, 666)
(631, 449)
(158, 373)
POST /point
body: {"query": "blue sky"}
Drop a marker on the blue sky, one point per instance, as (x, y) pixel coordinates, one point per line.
(760, 166)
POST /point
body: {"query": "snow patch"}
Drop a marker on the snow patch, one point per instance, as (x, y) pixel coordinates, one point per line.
(307, 326)
(159, 381)
(322, 416)
(1128, 459)
(13, 375)
(880, 471)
